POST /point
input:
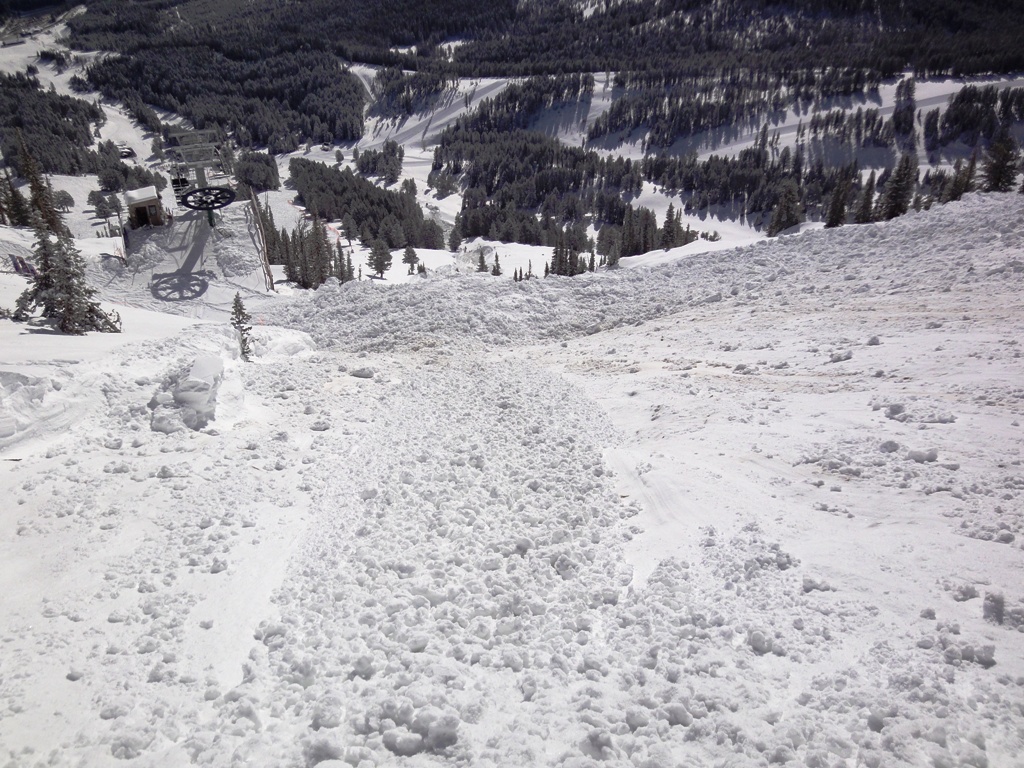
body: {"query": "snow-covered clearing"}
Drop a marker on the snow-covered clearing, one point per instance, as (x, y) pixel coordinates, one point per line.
(684, 514)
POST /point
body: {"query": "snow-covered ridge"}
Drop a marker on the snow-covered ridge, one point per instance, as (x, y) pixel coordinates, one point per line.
(452, 308)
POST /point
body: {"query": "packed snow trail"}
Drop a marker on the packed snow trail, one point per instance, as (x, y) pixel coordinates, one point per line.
(452, 563)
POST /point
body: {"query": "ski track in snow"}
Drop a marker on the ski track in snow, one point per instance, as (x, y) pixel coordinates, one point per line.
(684, 515)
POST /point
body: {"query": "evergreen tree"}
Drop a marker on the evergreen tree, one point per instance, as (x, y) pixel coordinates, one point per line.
(672, 230)
(380, 258)
(560, 256)
(836, 215)
(59, 287)
(339, 262)
(240, 322)
(999, 168)
(291, 263)
(899, 190)
(866, 209)
(647, 230)
(481, 264)
(19, 212)
(496, 269)
(348, 226)
(962, 181)
(103, 208)
(319, 258)
(116, 207)
(455, 236)
(410, 258)
(41, 195)
(787, 209)
(611, 259)
(628, 244)
(63, 200)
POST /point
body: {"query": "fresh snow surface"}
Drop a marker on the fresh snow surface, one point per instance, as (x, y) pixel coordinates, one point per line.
(748, 507)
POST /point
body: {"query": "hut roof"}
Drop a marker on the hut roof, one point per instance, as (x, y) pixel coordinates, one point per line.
(139, 196)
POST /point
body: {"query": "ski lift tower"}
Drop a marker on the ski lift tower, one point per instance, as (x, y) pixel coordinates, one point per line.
(194, 153)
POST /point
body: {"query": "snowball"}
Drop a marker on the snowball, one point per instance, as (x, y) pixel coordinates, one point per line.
(402, 741)
(677, 714)
(759, 642)
(923, 457)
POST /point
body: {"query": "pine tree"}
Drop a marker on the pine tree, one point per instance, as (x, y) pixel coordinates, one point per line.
(999, 168)
(899, 190)
(339, 262)
(560, 256)
(866, 209)
(319, 254)
(348, 226)
(63, 200)
(648, 230)
(836, 215)
(291, 262)
(380, 258)
(19, 212)
(787, 209)
(59, 287)
(240, 322)
(629, 242)
(672, 230)
(962, 181)
(300, 255)
(41, 195)
(410, 258)
(481, 264)
(496, 269)
(455, 236)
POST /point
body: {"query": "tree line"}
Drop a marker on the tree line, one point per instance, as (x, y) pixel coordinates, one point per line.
(367, 212)
(670, 107)
(270, 75)
(61, 130)
(277, 101)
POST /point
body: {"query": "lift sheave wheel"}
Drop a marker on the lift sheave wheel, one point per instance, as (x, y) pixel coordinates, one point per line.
(208, 198)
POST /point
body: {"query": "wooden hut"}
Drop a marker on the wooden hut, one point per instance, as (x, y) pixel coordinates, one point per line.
(144, 207)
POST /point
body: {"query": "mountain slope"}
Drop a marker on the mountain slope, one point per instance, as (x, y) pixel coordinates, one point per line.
(659, 516)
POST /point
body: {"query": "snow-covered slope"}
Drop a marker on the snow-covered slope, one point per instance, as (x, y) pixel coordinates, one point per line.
(750, 507)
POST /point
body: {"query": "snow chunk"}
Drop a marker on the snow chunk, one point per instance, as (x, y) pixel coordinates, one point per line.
(191, 401)
(402, 741)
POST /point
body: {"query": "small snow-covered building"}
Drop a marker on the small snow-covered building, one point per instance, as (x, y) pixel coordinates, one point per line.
(144, 207)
